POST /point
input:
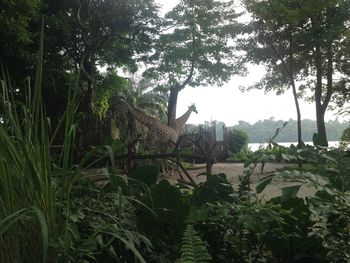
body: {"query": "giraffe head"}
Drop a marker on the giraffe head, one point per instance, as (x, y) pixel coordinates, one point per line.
(193, 108)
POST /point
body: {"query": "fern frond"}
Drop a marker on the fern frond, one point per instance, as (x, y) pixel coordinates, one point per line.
(193, 249)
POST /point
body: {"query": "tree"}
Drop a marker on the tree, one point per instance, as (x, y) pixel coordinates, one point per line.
(301, 40)
(17, 39)
(99, 33)
(194, 48)
(275, 26)
(139, 95)
(237, 140)
(328, 34)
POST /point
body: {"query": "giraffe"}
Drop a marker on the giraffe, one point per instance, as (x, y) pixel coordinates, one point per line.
(164, 133)
(180, 122)
(159, 131)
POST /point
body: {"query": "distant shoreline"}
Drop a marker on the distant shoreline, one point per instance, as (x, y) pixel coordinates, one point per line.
(255, 146)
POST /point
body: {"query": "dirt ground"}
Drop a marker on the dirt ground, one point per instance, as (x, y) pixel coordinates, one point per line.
(234, 170)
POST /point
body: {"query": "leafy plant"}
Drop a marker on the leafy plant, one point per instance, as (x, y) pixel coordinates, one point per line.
(193, 248)
(102, 226)
(328, 208)
(237, 140)
(216, 188)
(27, 211)
(165, 229)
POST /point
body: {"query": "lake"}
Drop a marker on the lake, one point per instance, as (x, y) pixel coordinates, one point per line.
(255, 146)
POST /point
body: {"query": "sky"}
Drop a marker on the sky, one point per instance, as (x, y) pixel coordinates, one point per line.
(228, 104)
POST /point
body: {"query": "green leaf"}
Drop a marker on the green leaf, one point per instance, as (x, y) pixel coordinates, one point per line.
(290, 191)
(10, 220)
(129, 245)
(262, 185)
(147, 174)
(44, 231)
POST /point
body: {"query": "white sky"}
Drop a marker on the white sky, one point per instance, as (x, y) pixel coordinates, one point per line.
(229, 105)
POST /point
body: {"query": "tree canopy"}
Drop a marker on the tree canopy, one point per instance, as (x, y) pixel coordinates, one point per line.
(195, 47)
(302, 44)
(304, 41)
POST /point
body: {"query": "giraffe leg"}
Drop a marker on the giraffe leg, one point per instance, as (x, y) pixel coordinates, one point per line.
(165, 161)
(163, 168)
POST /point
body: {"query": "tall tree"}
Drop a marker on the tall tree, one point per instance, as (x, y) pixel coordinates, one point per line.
(195, 48)
(17, 39)
(328, 32)
(310, 37)
(98, 33)
(273, 40)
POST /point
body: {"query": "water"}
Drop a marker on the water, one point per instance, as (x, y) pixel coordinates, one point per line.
(255, 146)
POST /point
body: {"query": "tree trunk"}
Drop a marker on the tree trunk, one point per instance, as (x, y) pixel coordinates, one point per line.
(321, 126)
(321, 106)
(295, 95)
(174, 92)
(86, 104)
(290, 71)
(320, 109)
(300, 140)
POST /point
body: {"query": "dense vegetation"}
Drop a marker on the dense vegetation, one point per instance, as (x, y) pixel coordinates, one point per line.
(77, 182)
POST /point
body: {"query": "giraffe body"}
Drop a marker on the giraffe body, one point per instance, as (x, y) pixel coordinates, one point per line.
(158, 131)
(156, 128)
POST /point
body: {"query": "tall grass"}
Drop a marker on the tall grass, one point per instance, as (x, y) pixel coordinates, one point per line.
(36, 218)
(27, 198)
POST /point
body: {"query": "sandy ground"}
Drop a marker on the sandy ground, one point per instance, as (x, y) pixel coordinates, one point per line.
(234, 170)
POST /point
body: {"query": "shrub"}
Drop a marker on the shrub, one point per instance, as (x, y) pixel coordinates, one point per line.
(237, 141)
(345, 138)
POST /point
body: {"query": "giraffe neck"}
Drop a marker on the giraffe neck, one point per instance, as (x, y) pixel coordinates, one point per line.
(146, 120)
(181, 121)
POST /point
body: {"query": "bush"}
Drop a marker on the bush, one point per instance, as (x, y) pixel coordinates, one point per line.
(237, 141)
(345, 138)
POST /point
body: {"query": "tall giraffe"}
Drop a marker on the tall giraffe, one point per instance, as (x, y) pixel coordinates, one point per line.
(164, 133)
(158, 130)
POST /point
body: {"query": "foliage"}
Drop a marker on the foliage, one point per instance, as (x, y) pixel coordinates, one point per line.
(286, 228)
(101, 226)
(216, 188)
(241, 157)
(328, 208)
(51, 208)
(28, 212)
(110, 84)
(345, 138)
(261, 130)
(194, 48)
(17, 38)
(49, 212)
(100, 33)
(237, 140)
(250, 230)
(193, 248)
(165, 229)
(300, 41)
